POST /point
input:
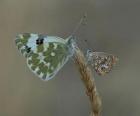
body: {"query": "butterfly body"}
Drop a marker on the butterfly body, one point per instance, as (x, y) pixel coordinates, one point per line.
(45, 55)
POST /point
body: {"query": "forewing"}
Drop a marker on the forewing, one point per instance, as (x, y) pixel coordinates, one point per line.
(48, 58)
(26, 43)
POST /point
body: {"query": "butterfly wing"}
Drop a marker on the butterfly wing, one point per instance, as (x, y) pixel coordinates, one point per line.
(104, 62)
(48, 58)
(101, 62)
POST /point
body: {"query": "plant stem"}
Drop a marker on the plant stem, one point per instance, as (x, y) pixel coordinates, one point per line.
(88, 80)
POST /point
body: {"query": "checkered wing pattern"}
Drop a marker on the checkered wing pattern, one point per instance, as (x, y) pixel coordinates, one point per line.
(45, 55)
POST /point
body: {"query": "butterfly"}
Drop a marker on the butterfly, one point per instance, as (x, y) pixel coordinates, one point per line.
(45, 55)
(101, 62)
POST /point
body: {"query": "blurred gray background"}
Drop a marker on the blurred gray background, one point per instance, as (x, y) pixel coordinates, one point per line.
(113, 27)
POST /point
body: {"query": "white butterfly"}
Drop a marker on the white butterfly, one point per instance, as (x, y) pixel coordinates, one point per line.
(45, 55)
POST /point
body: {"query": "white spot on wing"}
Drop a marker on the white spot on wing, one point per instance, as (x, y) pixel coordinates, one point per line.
(52, 54)
(41, 75)
(30, 58)
(30, 65)
(35, 50)
(46, 46)
(24, 54)
(55, 46)
(41, 57)
(48, 64)
(37, 69)
(22, 48)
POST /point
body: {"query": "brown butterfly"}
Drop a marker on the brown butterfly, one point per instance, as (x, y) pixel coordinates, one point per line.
(101, 62)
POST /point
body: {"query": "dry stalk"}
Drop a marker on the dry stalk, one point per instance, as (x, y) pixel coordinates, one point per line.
(88, 80)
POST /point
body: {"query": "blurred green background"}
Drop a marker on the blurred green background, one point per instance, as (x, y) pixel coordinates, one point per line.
(113, 27)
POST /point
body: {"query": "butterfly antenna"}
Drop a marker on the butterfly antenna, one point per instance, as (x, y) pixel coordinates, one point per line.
(83, 21)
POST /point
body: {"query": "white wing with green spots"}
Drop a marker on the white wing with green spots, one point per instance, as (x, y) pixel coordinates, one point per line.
(45, 55)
